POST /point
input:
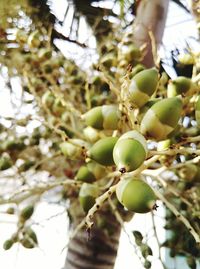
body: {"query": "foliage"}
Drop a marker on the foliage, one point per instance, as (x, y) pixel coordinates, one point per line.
(56, 95)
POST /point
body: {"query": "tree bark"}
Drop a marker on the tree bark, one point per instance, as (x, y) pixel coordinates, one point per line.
(99, 251)
(150, 17)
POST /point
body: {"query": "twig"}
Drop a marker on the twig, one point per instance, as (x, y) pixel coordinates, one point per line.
(179, 216)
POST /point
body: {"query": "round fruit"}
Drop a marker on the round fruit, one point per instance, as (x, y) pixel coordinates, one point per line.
(90, 172)
(87, 195)
(102, 151)
(190, 173)
(136, 195)
(5, 163)
(58, 107)
(162, 118)
(103, 117)
(27, 212)
(8, 244)
(85, 175)
(142, 86)
(130, 151)
(180, 85)
(34, 39)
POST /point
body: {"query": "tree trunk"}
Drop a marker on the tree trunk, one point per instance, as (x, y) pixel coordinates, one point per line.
(150, 17)
(99, 251)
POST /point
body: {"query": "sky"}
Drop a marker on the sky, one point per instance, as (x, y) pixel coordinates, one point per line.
(53, 234)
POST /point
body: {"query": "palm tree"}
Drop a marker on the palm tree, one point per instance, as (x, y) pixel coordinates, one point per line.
(97, 248)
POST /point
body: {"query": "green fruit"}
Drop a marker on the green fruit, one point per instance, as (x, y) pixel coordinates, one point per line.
(26, 212)
(135, 195)
(138, 237)
(147, 264)
(103, 117)
(94, 117)
(44, 54)
(180, 85)
(142, 86)
(136, 69)
(5, 163)
(130, 151)
(162, 118)
(85, 175)
(146, 250)
(90, 172)
(8, 244)
(73, 151)
(102, 151)
(98, 170)
(10, 210)
(87, 195)
(34, 39)
(145, 108)
(21, 36)
(130, 52)
(48, 99)
(190, 173)
(30, 235)
(108, 60)
(197, 111)
(27, 243)
(26, 166)
(58, 107)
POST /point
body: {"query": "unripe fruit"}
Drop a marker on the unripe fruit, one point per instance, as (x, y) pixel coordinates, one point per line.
(85, 175)
(190, 172)
(130, 52)
(10, 210)
(109, 60)
(130, 151)
(26, 213)
(162, 118)
(73, 150)
(8, 244)
(102, 151)
(87, 196)
(197, 111)
(27, 243)
(21, 36)
(5, 163)
(58, 107)
(44, 54)
(136, 69)
(135, 195)
(91, 134)
(103, 117)
(142, 86)
(30, 235)
(180, 85)
(90, 172)
(34, 39)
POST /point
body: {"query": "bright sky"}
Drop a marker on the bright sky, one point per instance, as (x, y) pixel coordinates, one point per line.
(53, 234)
